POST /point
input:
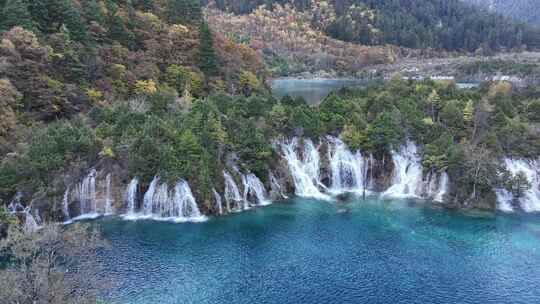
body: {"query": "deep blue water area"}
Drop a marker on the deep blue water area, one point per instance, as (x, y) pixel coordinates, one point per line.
(308, 251)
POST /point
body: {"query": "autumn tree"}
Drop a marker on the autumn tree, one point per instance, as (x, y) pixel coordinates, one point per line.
(52, 265)
(481, 169)
(248, 82)
(9, 102)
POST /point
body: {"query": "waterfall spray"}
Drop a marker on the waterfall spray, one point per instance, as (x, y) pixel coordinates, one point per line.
(85, 193)
(108, 199)
(148, 198)
(232, 194)
(30, 224)
(254, 187)
(305, 172)
(186, 208)
(407, 173)
(442, 188)
(65, 205)
(177, 204)
(347, 169)
(131, 196)
(217, 200)
(275, 186)
(530, 200)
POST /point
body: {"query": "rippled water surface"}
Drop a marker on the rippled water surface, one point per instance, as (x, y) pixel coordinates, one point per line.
(305, 251)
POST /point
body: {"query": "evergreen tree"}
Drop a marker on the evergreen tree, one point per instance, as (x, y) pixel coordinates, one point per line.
(92, 12)
(184, 11)
(146, 5)
(119, 29)
(74, 22)
(207, 55)
(15, 13)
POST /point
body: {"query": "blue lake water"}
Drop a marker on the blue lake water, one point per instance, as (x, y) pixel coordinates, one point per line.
(312, 90)
(315, 90)
(306, 251)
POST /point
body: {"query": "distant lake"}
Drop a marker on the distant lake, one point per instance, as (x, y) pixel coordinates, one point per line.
(312, 90)
(467, 85)
(315, 90)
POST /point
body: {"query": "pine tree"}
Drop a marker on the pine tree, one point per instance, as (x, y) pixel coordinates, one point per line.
(15, 13)
(92, 12)
(434, 101)
(184, 11)
(207, 55)
(73, 20)
(146, 5)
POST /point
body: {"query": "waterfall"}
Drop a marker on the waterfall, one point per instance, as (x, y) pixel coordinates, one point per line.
(254, 187)
(348, 170)
(185, 204)
(108, 199)
(30, 224)
(232, 194)
(148, 198)
(530, 201)
(15, 204)
(65, 205)
(305, 172)
(442, 189)
(407, 173)
(161, 203)
(436, 186)
(245, 186)
(130, 196)
(217, 199)
(504, 200)
(371, 170)
(276, 187)
(85, 193)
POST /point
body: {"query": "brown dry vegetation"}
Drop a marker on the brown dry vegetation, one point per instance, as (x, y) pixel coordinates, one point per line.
(294, 39)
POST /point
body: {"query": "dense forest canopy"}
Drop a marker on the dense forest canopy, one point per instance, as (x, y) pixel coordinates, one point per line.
(524, 10)
(59, 56)
(440, 24)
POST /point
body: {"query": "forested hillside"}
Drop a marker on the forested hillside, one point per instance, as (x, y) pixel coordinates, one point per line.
(60, 57)
(293, 41)
(440, 24)
(524, 10)
(170, 88)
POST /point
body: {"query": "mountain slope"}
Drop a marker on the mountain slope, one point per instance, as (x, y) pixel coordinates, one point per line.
(439, 24)
(61, 56)
(524, 10)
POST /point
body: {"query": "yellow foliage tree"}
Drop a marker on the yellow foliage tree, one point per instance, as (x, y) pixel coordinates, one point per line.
(248, 82)
(500, 88)
(145, 87)
(94, 95)
(468, 112)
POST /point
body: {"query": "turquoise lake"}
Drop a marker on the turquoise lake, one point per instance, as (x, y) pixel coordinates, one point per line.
(308, 251)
